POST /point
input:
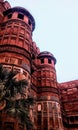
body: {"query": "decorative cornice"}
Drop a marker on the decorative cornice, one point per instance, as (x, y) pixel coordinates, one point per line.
(45, 98)
(47, 89)
(15, 49)
(46, 66)
(15, 20)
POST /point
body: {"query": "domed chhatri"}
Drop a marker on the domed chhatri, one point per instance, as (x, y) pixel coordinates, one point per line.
(22, 12)
(48, 55)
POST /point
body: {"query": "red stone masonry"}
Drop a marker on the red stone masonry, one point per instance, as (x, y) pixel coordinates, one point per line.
(57, 103)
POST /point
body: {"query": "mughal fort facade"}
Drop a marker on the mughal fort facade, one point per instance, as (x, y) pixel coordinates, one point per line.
(57, 103)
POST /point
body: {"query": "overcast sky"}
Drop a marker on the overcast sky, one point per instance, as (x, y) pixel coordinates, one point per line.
(56, 31)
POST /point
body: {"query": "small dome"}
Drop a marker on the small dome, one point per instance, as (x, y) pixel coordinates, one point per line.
(46, 54)
(23, 11)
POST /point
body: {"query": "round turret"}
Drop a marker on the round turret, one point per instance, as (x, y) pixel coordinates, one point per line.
(48, 55)
(48, 95)
(46, 69)
(15, 52)
(16, 38)
(20, 13)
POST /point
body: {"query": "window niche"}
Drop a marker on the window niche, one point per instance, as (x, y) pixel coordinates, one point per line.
(39, 107)
(12, 60)
(42, 61)
(45, 106)
(49, 61)
(29, 22)
(33, 56)
(45, 123)
(7, 59)
(20, 16)
(19, 61)
(39, 121)
(9, 16)
(5, 40)
(22, 31)
(21, 42)
(13, 40)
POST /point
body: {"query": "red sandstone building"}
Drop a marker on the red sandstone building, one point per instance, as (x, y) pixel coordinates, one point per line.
(57, 103)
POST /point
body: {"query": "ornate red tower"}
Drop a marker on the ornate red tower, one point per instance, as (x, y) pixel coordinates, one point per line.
(16, 28)
(48, 105)
(16, 38)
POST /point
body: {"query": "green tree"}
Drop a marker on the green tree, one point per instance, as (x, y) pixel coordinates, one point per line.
(17, 107)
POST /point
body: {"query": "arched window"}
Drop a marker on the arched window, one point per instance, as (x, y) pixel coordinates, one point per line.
(20, 16)
(9, 16)
(42, 61)
(29, 22)
(49, 61)
(33, 56)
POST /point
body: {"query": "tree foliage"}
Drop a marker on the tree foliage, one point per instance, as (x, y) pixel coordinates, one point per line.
(9, 89)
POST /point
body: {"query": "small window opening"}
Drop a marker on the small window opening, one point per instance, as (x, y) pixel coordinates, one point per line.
(42, 61)
(33, 56)
(39, 107)
(20, 16)
(9, 16)
(19, 61)
(29, 22)
(32, 70)
(71, 119)
(76, 118)
(49, 61)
